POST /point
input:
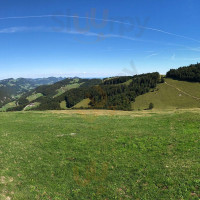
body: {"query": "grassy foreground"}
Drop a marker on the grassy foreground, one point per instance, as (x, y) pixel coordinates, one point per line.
(127, 155)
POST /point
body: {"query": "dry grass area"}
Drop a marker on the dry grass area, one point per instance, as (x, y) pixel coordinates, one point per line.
(124, 113)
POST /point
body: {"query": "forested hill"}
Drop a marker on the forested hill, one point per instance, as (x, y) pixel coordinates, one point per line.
(11, 89)
(74, 93)
(190, 73)
(110, 93)
(44, 95)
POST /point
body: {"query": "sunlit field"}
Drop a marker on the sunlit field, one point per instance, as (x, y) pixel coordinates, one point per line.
(97, 155)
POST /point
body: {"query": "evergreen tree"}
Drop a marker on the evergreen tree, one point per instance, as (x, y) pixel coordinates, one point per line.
(151, 106)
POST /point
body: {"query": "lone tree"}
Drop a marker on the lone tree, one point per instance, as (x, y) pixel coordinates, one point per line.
(162, 79)
(151, 106)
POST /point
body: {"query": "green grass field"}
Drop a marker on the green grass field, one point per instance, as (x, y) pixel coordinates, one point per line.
(76, 155)
(167, 97)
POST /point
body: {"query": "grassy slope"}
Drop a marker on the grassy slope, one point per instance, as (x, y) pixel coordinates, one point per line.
(66, 88)
(127, 82)
(34, 96)
(154, 156)
(63, 105)
(84, 103)
(167, 97)
(8, 105)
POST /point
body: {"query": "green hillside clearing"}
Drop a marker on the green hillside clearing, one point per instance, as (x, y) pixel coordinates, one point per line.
(63, 105)
(66, 88)
(83, 104)
(8, 105)
(34, 97)
(169, 96)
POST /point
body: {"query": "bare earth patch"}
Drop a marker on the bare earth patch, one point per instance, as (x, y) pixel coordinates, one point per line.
(4, 193)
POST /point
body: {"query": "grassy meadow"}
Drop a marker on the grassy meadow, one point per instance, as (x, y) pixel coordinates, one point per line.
(34, 96)
(168, 97)
(60, 155)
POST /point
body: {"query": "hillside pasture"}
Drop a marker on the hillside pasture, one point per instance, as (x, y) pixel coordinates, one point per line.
(8, 105)
(167, 97)
(34, 96)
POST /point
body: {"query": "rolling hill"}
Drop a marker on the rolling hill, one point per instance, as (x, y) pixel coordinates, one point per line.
(46, 97)
(11, 89)
(172, 94)
(179, 89)
(110, 93)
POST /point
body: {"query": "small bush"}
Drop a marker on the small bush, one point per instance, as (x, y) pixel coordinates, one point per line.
(151, 106)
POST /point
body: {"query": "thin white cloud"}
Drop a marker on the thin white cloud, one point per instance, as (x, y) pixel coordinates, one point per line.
(123, 37)
(21, 29)
(89, 34)
(168, 33)
(105, 20)
(12, 30)
(44, 29)
(151, 55)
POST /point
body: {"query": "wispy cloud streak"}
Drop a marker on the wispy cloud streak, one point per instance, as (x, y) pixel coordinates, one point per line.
(22, 29)
(99, 37)
(168, 33)
(151, 55)
(74, 32)
(105, 20)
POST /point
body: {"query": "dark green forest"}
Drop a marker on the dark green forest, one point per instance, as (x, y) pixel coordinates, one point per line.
(191, 73)
(119, 97)
(116, 80)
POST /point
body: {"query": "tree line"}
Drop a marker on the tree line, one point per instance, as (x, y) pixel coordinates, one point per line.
(190, 73)
(109, 94)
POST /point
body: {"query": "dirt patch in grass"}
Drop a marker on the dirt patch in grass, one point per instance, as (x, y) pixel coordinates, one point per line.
(4, 193)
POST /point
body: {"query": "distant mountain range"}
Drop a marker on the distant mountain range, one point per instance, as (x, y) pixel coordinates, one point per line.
(13, 88)
(120, 93)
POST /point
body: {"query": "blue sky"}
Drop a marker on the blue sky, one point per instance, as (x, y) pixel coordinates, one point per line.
(97, 38)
